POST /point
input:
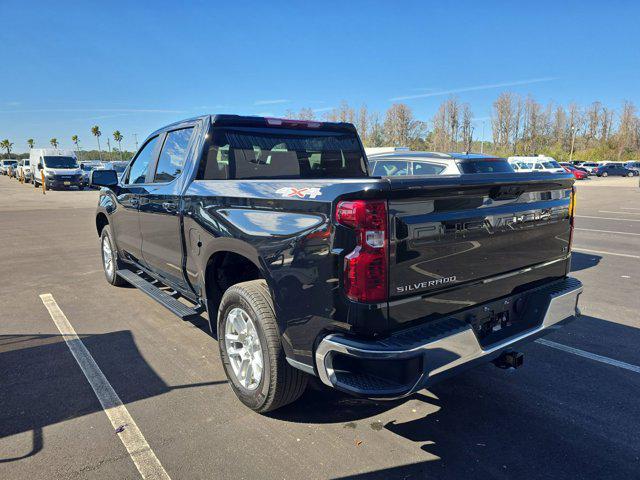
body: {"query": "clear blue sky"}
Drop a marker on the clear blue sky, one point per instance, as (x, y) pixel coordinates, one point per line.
(122, 65)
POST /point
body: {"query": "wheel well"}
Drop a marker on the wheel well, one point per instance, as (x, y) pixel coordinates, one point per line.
(225, 269)
(101, 222)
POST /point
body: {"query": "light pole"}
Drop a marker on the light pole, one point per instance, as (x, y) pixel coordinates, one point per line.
(482, 141)
(574, 130)
(135, 136)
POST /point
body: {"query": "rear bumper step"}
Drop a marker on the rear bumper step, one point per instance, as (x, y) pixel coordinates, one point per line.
(418, 357)
(178, 308)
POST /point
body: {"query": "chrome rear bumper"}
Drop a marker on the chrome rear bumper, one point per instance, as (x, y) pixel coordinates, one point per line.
(433, 351)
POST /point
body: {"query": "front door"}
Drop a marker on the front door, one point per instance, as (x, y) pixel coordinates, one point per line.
(160, 210)
(125, 218)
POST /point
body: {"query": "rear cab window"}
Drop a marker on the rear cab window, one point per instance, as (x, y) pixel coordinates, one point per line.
(238, 152)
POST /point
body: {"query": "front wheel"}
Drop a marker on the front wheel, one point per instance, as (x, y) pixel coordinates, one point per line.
(110, 262)
(605, 174)
(630, 174)
(251, 349)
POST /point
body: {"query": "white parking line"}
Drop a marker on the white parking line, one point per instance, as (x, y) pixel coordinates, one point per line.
(139, 450)
(592, 356)
(610, 218)
(607, 231)
(627, 255)
(623, 213)
(629, 208)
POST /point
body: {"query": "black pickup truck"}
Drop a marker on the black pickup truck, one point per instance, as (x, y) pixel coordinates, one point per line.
(304, 264)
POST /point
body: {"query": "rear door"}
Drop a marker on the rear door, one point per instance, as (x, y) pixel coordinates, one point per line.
(160, 208)
(459, 241)
(125, 218)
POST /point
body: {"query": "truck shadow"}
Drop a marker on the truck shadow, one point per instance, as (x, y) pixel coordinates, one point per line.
(41, 384)
(583, 261)
(561, 416)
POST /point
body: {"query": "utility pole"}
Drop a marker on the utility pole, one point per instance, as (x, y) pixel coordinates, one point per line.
(135, 136)
(482, 141)
(573, 141)
(109, 147)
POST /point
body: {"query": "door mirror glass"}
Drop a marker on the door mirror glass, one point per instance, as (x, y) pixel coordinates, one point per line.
(103, 178)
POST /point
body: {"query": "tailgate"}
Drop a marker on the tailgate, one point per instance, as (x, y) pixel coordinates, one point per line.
(459, 241)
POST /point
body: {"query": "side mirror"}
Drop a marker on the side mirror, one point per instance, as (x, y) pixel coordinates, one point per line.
(103, 178)
(39, 166)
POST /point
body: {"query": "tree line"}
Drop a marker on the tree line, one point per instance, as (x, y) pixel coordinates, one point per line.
(518, 126)
(112, 154)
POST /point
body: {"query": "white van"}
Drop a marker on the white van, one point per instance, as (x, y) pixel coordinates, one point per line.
(60, 167)
(541, 163)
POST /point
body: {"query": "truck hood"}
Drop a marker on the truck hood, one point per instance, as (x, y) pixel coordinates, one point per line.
(63, 171)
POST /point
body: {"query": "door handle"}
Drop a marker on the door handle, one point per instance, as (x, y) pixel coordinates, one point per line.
(169, 206)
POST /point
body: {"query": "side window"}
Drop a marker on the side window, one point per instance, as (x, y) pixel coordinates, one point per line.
(173, 155)
(140, 167)
(423, 168)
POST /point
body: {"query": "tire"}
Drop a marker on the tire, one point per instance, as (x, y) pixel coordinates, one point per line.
(35, 185)
(605, 174)
(110, 272)
(279, 383)
(629, 174)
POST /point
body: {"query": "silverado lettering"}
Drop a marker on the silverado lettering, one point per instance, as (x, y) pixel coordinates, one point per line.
(421, 285)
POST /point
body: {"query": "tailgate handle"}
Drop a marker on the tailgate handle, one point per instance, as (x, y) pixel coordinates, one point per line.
(505, 192)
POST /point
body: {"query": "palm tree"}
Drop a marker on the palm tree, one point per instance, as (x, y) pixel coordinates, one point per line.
(7, 145)
(95, 131)
(30, 142)
(117, 136)
(76, 141)
(54, 142)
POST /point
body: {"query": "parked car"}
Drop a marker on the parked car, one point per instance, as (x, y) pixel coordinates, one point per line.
(579, 174)
(309, 265)
(633, 165)
(119, 167)
(6, 165)
(521, 166)
(615, 169)
(60, 167)
(590, 167)
(572, 165)
(434, 163)
(23, 170)
(87, 167)
(540, 163)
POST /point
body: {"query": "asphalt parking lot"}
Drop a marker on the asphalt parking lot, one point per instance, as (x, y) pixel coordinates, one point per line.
(571, 412)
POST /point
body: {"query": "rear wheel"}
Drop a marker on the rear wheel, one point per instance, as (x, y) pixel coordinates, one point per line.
(251, 349)
(605, 174)
(630, 174)
(110, 262)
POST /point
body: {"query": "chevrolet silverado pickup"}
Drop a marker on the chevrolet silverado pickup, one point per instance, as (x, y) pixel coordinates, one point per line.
(307, 265)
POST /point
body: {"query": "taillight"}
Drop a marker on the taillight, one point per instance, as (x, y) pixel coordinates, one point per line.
(572, 211)
(365, 268)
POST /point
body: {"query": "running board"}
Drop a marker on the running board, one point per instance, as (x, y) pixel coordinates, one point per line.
(178, 308)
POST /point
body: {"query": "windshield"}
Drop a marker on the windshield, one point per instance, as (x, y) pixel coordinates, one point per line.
(262, 152)
(9, 162)
(119, 168)
(87, 167)
(485, 165)
(60, 162)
